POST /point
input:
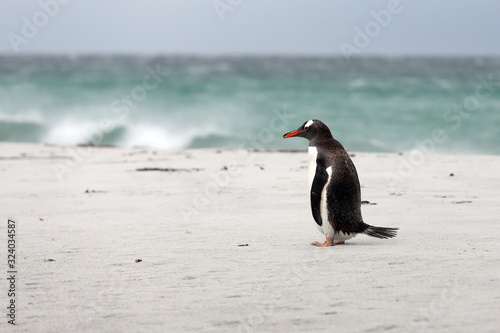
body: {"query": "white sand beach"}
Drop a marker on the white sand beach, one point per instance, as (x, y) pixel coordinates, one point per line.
(223, 238)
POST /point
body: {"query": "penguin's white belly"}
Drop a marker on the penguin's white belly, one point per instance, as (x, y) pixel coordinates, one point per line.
(325, 228)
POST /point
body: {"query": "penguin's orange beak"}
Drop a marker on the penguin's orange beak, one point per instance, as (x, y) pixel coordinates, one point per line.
(291, 134)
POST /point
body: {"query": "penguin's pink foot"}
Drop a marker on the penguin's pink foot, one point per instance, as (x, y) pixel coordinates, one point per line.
(328, 242)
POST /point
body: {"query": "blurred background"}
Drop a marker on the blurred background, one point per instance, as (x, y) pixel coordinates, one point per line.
(384, 75)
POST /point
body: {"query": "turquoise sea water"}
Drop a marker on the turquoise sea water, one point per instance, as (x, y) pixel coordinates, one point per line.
(370, 104)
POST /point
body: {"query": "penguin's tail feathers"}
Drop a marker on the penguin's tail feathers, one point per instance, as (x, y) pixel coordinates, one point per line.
(380, 232)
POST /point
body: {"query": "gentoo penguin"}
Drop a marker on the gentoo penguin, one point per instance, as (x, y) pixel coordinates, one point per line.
(334, 186)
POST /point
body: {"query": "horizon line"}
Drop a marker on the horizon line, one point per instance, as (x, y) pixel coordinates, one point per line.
(249, 54)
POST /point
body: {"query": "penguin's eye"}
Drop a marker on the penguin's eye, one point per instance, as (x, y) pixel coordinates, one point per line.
(306, 127)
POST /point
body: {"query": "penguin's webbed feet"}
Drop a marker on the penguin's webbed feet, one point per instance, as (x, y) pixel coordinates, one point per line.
(328, 242)
(321, 244)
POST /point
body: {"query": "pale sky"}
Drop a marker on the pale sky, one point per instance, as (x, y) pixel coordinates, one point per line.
(291, 27)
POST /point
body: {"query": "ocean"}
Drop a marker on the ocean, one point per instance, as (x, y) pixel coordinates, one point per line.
(371, 104)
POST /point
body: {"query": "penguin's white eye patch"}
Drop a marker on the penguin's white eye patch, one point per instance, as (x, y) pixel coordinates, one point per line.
(309, 123)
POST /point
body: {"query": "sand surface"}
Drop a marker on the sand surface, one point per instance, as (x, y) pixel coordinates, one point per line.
(93, 214)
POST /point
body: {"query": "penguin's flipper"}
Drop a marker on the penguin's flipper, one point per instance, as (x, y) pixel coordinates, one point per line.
(319, 183)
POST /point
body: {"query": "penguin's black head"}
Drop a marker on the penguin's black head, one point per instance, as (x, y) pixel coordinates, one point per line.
(313, 130)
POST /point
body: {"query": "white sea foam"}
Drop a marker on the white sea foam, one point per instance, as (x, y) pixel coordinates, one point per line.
(70, 132)
(168, 135)
(150, 135)
(165, 137)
